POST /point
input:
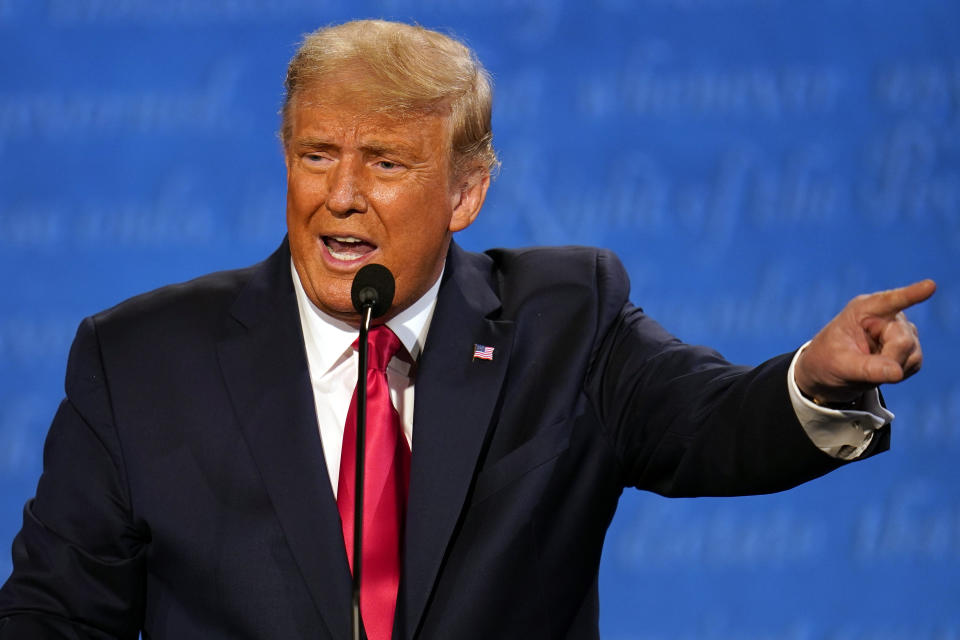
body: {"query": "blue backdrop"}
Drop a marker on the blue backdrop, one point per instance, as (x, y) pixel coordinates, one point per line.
(754, 162)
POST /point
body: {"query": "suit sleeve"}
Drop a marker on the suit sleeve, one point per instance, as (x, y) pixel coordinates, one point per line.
(79, 559)
(685, 422)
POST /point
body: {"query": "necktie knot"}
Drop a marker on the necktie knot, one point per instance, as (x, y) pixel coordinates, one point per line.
(384, 344)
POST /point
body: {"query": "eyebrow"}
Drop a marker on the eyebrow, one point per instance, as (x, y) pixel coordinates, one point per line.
(372, 147)
(310, 142)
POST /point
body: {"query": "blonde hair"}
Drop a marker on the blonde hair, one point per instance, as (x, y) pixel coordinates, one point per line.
(405, 69)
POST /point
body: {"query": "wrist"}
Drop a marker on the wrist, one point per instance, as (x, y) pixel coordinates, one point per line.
(837, 405)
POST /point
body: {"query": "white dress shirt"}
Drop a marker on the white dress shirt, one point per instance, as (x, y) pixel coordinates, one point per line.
(333, 364)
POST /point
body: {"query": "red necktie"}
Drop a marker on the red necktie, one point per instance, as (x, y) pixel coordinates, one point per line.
(386, 482)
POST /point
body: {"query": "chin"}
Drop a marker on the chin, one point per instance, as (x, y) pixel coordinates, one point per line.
(337, 303)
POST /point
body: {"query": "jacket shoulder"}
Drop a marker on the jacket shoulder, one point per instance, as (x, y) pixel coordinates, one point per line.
(197, 313)
(568, 262)
(196, 302)
(561, 274)
(161, 334)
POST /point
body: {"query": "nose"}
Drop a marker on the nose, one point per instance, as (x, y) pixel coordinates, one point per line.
(344, 189)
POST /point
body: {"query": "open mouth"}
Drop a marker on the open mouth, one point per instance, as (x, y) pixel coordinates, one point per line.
(347, 248)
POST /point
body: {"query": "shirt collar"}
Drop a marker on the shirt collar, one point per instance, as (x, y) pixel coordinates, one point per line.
(330, 339)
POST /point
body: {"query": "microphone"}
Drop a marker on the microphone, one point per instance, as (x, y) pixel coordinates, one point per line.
(373, 287)
(372, 294)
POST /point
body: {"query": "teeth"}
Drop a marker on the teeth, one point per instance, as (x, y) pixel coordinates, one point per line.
(344, 255)
(345, 248)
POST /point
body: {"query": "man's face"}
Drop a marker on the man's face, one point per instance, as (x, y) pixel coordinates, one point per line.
(366, 187)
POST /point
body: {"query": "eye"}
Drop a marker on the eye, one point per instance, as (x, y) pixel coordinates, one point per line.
(388, 165)
(316, 159)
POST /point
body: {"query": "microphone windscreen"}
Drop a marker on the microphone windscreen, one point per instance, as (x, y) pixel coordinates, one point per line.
(373, 286)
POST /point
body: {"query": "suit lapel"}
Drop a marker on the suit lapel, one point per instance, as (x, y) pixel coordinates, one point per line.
(455, 400)
(265, 368)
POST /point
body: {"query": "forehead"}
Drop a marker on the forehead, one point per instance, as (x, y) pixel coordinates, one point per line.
(346, 105)
(420, 137)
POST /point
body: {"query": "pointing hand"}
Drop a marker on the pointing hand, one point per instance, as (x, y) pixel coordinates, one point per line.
(869, 343)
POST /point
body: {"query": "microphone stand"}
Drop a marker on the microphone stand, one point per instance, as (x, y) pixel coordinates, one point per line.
(361, 461)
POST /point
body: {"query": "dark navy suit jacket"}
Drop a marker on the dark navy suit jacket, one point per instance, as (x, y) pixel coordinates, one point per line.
(185, 491)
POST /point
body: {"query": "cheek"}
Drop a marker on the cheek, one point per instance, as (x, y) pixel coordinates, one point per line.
(305, 193)
(384, 194)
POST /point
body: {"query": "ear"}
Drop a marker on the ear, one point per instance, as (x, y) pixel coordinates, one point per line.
(467, 198)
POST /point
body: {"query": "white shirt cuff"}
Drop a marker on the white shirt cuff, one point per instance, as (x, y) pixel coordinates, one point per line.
(843, 434)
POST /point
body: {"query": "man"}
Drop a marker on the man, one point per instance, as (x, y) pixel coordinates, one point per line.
(193, 480)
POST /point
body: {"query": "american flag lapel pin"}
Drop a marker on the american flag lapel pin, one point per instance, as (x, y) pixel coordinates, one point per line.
(482, 352)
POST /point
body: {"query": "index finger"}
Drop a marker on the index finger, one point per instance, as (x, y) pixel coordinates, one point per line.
(893, 300)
